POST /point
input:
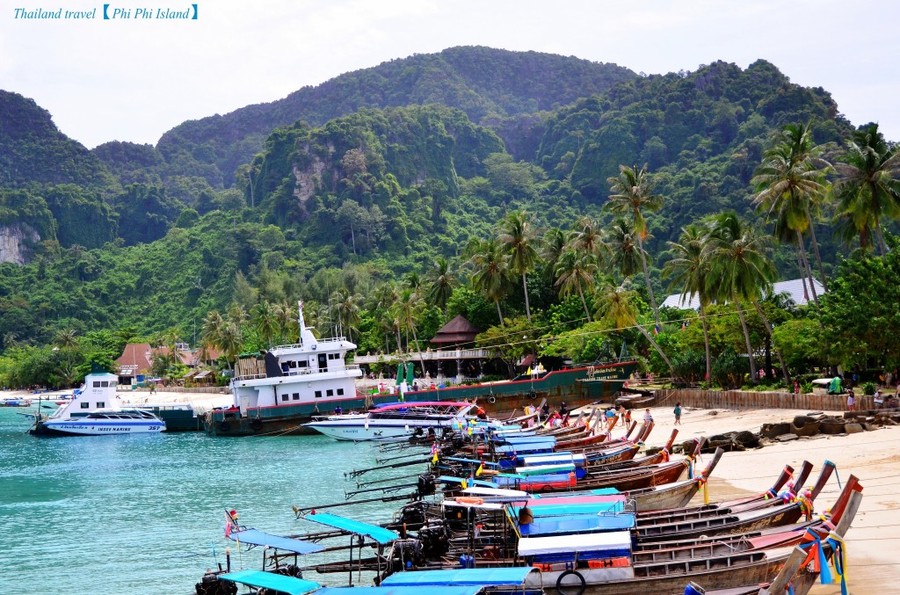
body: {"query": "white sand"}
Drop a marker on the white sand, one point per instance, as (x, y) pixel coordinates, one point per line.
(871, 456)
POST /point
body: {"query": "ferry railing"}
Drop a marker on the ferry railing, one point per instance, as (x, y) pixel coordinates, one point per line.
(303, 372)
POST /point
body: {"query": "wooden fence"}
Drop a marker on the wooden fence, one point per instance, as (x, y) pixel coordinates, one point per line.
(737, 399)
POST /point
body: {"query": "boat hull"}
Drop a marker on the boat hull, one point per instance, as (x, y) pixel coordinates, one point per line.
(75, 427)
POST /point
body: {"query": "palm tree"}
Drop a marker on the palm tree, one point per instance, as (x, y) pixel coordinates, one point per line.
(517, 237)
(575, 271)
(688, 269)
(616, 306)
(630, 192)
(490, 275)
(740, 271)
(552, 247)
(441, 285)
(868, 188)
(791, 180)
(344, 310)
(408, 308)
(587, 235)
(265, 319)
(623, 248)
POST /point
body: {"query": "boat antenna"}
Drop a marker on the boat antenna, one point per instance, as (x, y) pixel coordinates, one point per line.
(307, 339)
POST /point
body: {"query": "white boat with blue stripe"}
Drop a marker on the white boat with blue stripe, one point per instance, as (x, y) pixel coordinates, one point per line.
(96, 410)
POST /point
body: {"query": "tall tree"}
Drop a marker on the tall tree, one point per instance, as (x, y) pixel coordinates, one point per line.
(490, 273)
(741, 271)
(631, 193)
(517, 237)
(344, 310)
(576, 271)
(617, 307)
(868, 187)
(264, 317)
(689, 269)
(789, 184)
(623, 248)
(441, 284)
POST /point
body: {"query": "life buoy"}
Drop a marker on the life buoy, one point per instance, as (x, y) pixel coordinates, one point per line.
(570, 589)
(492, 399)
(532, 395)
(256, 424)
(224, 426)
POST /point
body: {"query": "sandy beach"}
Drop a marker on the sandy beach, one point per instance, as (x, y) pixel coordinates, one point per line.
(872, 456)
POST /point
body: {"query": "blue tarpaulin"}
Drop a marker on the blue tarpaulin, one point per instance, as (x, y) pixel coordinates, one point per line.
(379, 534)
(402, 590)
(466, 576)
(270, 580)
(254, 537)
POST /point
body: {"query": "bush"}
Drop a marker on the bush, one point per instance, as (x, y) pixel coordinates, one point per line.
(729, 369)
(869, 388)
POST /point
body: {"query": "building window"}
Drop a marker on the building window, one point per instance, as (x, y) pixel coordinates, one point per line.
(296, 396)
(284, 398)
(318, 394)
(340, 391)
(330, 392)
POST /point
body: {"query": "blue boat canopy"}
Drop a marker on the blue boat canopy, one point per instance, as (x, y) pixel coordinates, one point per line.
(254, 537)
(269, 580)
(466, 576)
(379, 534)
(401, 590)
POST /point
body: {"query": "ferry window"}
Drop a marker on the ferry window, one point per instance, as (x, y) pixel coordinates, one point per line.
(330, 392)
(292, 364)
(318, 394)
(96, 384)
(284, 397)
(296, 396)
(302, 364)
(100, 404)
(85, 405)
(340, 391)
(104, 384)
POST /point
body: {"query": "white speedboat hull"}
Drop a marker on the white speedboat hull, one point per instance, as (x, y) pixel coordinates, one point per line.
(77, 427)
(360, 433)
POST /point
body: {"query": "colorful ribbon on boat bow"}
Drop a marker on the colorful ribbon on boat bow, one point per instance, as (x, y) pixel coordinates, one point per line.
(819, 560)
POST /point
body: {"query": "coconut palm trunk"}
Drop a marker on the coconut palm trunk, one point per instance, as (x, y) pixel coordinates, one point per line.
(527, 304)
(815, 247)
(706, 341)
(647, 280)
(740, 312)
(768, 325)
(807, 270)
(584, 302)
(657, 348)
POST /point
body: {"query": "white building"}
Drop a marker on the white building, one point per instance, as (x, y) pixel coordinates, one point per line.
(792, 287)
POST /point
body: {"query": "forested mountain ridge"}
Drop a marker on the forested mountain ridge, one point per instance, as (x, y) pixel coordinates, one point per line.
(345, 206)
(492, 86)
(34, 151)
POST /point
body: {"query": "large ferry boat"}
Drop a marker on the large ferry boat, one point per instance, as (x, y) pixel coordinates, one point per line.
(278, 391)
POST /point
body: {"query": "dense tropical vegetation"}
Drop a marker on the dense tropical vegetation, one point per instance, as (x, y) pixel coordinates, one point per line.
(552, 213)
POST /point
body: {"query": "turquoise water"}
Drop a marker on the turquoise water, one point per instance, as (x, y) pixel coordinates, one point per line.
(143, 514)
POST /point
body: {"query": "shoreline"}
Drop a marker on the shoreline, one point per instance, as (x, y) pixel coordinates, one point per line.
(871, 455)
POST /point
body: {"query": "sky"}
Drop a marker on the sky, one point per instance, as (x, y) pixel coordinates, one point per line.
(133, 79)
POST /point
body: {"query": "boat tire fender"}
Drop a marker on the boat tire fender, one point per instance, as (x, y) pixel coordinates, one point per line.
(492, 399)
(256, 424)
(224, 426)
(532, 395)
(570, 589)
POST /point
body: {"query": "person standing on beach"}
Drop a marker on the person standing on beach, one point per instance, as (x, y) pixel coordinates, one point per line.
(851, 400)
(647, 417)
(677, 414)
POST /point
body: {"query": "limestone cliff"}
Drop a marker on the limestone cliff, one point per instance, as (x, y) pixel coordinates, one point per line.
(16, 241)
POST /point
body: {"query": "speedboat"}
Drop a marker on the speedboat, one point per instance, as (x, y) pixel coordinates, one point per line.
(397, 420)
(96, 410)
(106, 421)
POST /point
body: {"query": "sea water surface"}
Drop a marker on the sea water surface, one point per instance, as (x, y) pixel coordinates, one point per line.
(145, 514)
